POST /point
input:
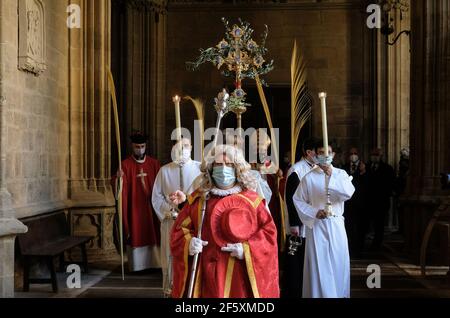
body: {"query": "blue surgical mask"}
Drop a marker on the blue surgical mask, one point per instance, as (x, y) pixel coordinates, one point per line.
(224, 176)
(325, 160)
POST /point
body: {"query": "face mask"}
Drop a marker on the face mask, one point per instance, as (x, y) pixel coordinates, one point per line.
(224, 176)
(315, 160)
(186, 154)
(139, 152)
(354, 158)
(325, 160)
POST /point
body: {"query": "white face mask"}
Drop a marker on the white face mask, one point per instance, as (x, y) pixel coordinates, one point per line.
(186, 154)
(354, 158)
(315, 160)
(139, 152)
(181, 156)
(324, 160)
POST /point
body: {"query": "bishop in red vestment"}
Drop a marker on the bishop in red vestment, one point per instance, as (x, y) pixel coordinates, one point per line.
(141, 226)
(238, 255)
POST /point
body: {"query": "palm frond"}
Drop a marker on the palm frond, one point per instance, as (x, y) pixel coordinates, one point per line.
(200, 109)
(301, 99)
(262, 96)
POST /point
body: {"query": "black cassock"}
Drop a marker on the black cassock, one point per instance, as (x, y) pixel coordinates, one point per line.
(292, 284)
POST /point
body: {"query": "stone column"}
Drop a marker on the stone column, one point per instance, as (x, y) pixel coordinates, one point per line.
(430, 116)
(139, 60)
(393, 88)
(398, 89)
(92, 201)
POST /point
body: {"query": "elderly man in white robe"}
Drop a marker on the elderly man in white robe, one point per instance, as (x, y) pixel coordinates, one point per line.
(172, 178)
(327, 262)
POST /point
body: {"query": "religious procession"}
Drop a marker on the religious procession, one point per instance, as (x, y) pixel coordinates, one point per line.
(269, 152)
(237, 222)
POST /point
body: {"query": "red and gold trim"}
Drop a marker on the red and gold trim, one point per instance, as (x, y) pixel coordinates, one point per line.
(229, 276)
(250, 269)
(187, 236)
(254, 204)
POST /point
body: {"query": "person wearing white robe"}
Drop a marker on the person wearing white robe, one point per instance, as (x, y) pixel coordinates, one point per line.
(166, 184)
(327, 263)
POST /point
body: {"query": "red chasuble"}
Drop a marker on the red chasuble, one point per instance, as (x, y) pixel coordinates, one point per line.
(141, 226)
(219, 275)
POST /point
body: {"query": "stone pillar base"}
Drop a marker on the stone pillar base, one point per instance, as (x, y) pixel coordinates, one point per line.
(99, 223)
(9, 228)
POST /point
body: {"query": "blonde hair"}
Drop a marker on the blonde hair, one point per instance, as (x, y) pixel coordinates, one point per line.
(236, 157)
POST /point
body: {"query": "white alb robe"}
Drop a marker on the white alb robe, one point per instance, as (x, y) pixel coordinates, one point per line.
(327, 261)
(166, 183)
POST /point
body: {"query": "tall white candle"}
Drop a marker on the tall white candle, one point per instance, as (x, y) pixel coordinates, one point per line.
(323, 104)
(176, 101)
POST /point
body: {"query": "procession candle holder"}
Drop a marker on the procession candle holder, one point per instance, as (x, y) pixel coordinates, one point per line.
(323, 105)
(328, 206)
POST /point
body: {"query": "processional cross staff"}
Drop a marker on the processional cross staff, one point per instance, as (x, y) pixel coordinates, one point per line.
(222, 109)
(238, 61)
(243, 56)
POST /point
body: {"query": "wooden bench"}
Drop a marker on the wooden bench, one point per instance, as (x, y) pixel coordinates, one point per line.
(48, 237)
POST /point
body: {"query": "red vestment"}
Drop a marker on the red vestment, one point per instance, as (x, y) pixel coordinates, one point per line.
(140, 222)
(219, 275)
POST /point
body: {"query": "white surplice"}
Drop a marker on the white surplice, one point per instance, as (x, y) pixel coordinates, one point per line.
(327, 261)
(166, 183)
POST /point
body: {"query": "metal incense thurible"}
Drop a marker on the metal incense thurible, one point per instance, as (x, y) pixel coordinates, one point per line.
(294, 243)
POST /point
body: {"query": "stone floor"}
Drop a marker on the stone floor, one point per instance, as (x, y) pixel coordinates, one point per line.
(399, 279)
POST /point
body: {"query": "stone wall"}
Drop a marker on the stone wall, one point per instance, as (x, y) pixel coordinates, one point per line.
(332, 34)
(35, 110)
(55, 123)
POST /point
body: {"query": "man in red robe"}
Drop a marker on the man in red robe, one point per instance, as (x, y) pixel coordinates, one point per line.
(237, 251)
(141, 226)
